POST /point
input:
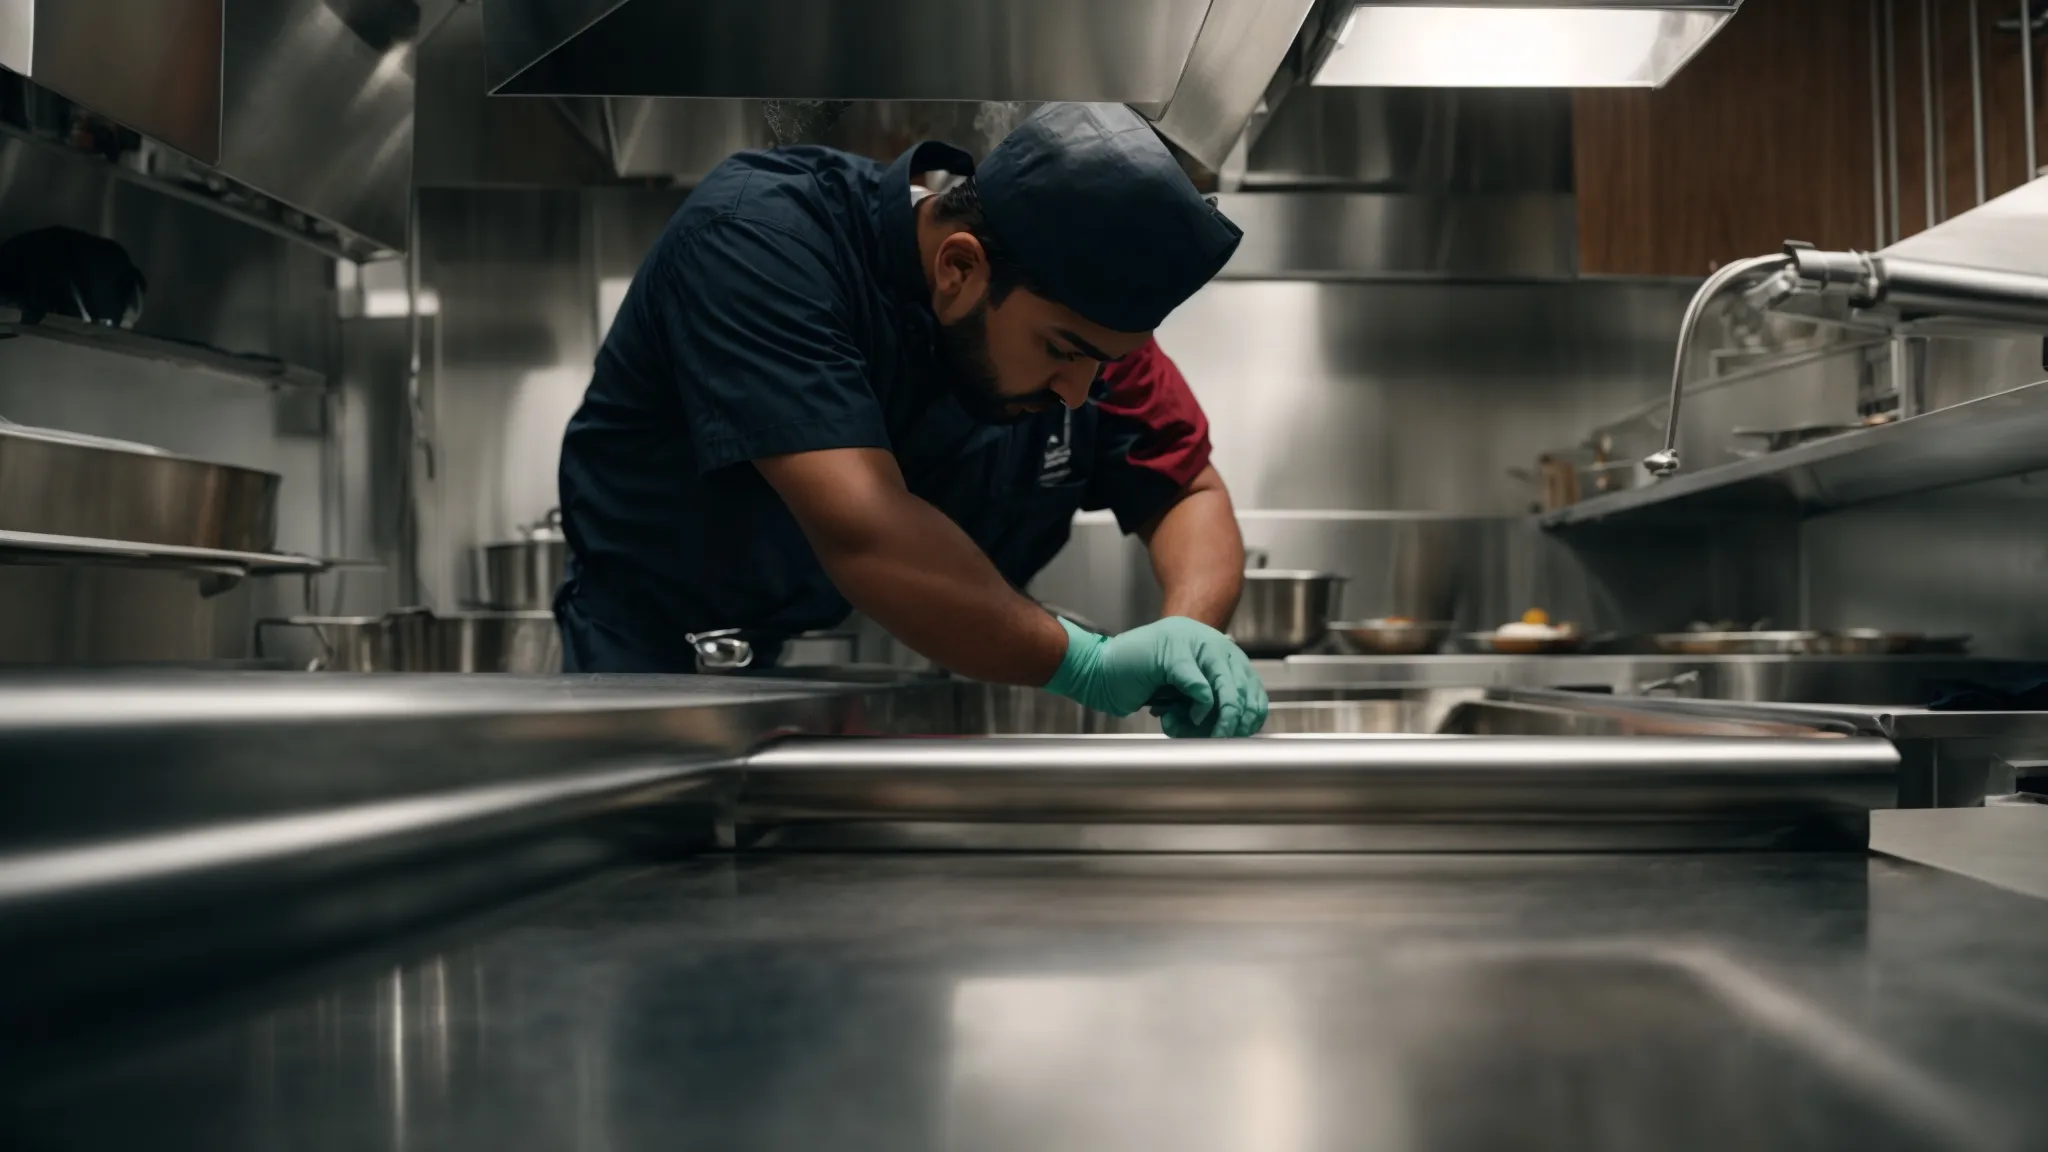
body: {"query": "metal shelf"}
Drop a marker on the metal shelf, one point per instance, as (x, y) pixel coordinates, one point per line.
(54, 547)
(124, 342)
(253, 208)
(2000, 435)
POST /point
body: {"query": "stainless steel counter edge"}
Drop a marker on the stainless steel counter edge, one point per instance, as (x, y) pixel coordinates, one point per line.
(1050, 779)
(137, 756)
(308, 846)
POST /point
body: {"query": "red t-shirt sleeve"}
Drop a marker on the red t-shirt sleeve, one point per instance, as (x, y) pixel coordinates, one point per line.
(1154, 438)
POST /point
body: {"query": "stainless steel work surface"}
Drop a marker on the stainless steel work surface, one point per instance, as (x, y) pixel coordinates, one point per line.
(907, 1002)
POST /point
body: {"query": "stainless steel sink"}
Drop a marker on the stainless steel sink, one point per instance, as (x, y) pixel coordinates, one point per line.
(998, 710)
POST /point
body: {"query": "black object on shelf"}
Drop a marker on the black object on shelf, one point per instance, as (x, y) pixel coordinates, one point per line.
(65, 272)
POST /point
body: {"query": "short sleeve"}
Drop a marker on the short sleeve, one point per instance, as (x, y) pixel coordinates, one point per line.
(1153, 440)
(759, 330)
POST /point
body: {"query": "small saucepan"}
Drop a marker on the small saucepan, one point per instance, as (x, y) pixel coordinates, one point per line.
(1284, 611)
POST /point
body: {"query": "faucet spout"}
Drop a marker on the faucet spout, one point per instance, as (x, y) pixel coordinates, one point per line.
(1665, 463)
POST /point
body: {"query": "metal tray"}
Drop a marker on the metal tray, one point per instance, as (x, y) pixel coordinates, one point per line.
(1846, 642)
(60, 484)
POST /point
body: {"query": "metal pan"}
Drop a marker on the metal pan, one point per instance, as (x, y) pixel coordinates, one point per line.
(1564, 642)
(63, 484)
(1390, 635)
(523, 574)
(1766, 643)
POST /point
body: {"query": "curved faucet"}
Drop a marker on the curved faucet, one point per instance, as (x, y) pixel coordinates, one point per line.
(1664, 463)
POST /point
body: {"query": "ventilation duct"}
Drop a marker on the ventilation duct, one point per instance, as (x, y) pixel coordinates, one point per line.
(1197, 67)
(309, 102)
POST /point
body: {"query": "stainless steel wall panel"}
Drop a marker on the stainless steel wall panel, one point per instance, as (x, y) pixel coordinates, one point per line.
(1315, 234)
(318, 115)
(1412, 397)
(521, 277)
(1439, 141)
(683, 139)
(373, 436)
(1969, 560)
(18, 35)
(1346, 414)
(94, 615)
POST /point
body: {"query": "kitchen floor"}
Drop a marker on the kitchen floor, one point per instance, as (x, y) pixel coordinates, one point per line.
(1188, 1002)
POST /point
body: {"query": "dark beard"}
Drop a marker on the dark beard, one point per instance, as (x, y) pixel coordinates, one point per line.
(963, 357)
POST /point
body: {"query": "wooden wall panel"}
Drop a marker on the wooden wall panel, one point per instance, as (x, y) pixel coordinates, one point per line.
(1764, 136)
(1768, 135)
(2005, 145)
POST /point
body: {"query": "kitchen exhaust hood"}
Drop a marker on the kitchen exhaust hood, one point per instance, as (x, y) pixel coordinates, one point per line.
(1198, 68)
(309, 102)
(1509, 44)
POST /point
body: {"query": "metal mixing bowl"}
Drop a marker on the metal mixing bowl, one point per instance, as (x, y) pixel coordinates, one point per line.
(1283, 612)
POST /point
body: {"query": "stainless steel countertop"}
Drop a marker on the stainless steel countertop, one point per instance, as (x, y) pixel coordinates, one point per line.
(1221, 1002)
(909, 1000)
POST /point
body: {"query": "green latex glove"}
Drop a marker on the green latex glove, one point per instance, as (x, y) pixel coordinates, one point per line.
(1121, 674)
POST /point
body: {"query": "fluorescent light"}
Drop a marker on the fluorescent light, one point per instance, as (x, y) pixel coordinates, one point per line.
(1413, 46)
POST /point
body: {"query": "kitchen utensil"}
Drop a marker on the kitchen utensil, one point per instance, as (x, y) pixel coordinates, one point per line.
(394, 642)
(66, 484)
(64, 272)
(526, 642)
(723, 650)
(523, 574)
(417, 640)
(1780, 642)
(1390, 636)
(1283, 611)
(1557, 642)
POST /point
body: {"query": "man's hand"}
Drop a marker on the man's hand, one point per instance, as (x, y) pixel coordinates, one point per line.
(1219, 694)
(914, 571)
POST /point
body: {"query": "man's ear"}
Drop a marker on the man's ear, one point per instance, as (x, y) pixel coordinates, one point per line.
(960, 277)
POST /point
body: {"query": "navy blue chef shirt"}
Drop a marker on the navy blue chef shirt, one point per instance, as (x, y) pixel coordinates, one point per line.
(784, 310)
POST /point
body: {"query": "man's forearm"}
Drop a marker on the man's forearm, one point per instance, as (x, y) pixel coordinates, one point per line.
(921, 578)
(1198, 554)
(902, 562)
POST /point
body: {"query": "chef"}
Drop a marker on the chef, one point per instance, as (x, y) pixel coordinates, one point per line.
(829, 388)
